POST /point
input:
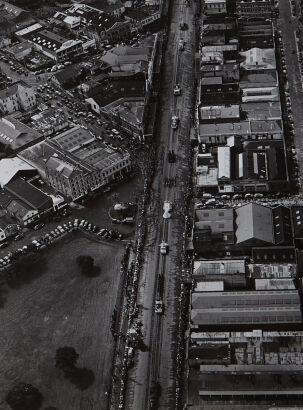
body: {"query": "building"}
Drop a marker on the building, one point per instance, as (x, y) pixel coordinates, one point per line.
(246, 310)
(255, 8)
(18, 96)
(49, 121)
(213, 90)
(256, 59)
(54, 46)
(21, 50)
(14, 167)
(8, 226)
(69, 76)
(24, 202)
(214, 7)
(254, 225)
(219, 113)
(75, 163)
(255, 33)
(16, 135)
(142, 17)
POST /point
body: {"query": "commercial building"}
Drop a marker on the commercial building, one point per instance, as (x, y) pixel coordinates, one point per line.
(53, 45)
(246, 310)
(75, 163)
(214, 7)
(255, 8)
(18, 96)
(16, 135)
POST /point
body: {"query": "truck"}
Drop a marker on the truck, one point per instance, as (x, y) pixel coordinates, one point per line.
(174, 122)
(159, 307)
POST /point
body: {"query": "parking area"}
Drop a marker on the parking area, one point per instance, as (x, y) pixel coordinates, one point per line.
(59, 308)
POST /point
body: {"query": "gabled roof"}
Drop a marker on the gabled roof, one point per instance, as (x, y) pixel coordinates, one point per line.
(9, 167)
(27, 193)
(254, 222)
(16, 134)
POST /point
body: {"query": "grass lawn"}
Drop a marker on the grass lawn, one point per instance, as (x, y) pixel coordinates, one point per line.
(62, 307)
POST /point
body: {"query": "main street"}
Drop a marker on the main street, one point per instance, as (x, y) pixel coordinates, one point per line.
(288, 26)
(158, 362)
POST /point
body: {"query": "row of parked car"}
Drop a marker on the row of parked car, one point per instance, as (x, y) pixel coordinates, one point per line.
(48, 238)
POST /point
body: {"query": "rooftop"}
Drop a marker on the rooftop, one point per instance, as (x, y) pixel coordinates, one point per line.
(9, 167)
(254, 222)
(223, 267)
(16, 134)
(219, 112)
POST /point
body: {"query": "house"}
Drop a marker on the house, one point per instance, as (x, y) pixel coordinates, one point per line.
(17, 96)
(254, 225)
(282, 226)
(13, 18)
(297, 223)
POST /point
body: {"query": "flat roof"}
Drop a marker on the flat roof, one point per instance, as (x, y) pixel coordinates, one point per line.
(209, 286)
(223, 266)
(219, 111)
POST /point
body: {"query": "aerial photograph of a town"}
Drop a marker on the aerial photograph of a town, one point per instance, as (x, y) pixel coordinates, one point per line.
(151, 204)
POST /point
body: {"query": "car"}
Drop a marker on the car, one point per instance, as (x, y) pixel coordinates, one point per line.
(164, 248)
(3, 245)
(177, 89)
(159, 307)
(18, 237)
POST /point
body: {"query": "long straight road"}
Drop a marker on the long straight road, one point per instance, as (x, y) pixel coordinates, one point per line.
(158, 362)
(288, 25)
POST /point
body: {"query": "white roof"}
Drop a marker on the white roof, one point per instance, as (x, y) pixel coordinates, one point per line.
(274, 284)
(224, 159)
(10, 166)
(210, 286)
(29, 29)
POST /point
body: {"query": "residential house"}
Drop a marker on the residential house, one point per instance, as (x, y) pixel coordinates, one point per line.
(214, 7)
(255, 8)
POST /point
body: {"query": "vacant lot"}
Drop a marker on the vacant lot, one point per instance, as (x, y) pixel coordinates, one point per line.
(62, 307)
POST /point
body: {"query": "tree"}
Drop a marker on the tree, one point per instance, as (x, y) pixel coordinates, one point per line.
(87, 266)
(66, 359)
(24, 397)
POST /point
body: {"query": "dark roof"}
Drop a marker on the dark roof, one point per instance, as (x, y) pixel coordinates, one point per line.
(110, 91)
(68, 73)
(297, 221)
(282, 225)
(276, 254)
(27, 193)
(103, 5)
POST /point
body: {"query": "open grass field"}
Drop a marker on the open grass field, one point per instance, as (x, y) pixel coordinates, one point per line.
(62, 307)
